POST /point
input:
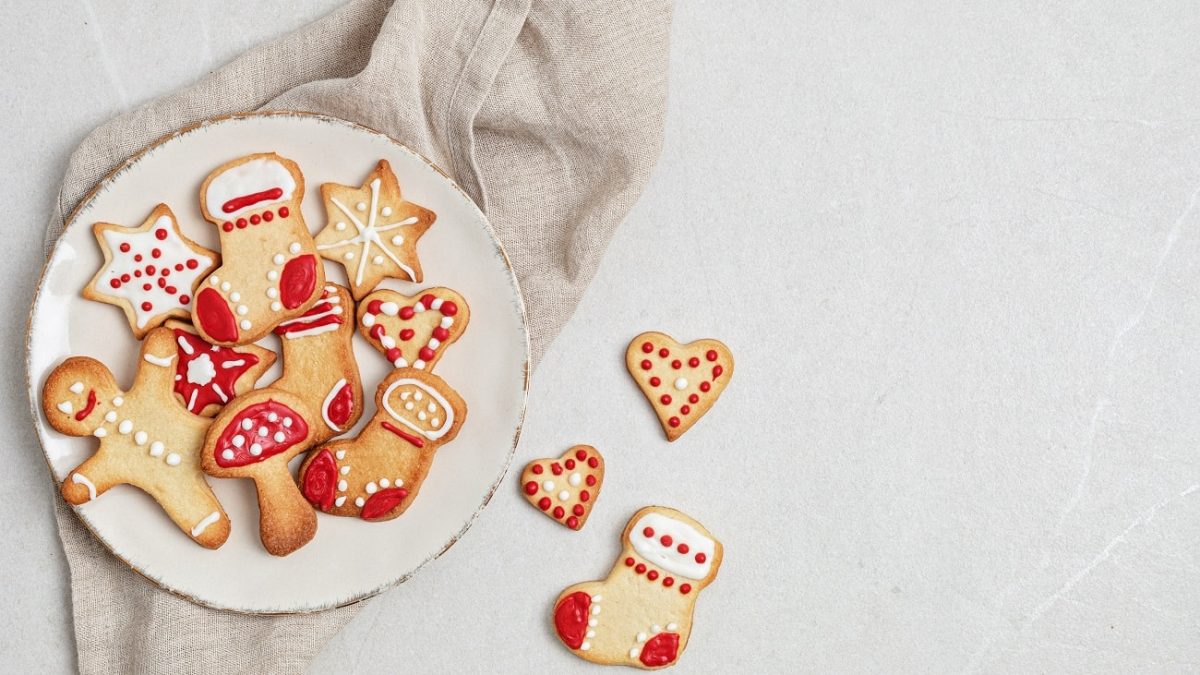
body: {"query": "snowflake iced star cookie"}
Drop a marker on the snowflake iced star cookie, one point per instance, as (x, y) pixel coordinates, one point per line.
(208, 376)
(146, 437)
(372, 231)
(565, 488)
(150, 271)
(641, 615)
(413, 330)
(681, 381)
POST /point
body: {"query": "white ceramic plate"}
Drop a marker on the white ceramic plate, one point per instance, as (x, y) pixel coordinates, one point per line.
(349, 559)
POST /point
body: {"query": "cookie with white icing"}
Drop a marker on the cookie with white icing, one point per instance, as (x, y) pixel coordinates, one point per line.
(681, 381)
(269, 271)
(150, 271)
(376, 476)
(413, 330)
(146, 437)
(208, 376)
(641, 614)
(373, 230)
(318, 397)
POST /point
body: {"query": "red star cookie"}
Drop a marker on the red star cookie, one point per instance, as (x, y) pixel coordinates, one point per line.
(565, 488)
(207, 376)
(414, 331)
(150, 271)
(681, 381)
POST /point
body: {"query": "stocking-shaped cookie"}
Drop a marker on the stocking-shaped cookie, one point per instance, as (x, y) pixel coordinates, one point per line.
(318, 397)
(641, 615)
(681, 381)
(413, 330)
(147, 439)
(269, 269)
(376, 476)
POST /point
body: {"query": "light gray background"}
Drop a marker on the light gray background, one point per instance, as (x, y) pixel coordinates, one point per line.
(955, 248)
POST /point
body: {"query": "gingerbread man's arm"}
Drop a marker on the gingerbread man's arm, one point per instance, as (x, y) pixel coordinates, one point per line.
(156, 365)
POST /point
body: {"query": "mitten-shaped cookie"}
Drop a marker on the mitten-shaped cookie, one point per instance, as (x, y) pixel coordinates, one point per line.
(641, 615)
(318, 397)
(147, 439)
(269, 269)
(376, 476)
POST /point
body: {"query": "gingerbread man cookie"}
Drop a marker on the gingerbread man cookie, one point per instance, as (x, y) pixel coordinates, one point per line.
(270, 271)
(146, 437)
(377, 475)
(372, 230)
(410, 331)
(318, 397)
(208, 376)
(641, 615)
(565, 488)
(681, 381)
(150, 271)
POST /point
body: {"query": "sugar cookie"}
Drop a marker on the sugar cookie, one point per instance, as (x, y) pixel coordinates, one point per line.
(681, 381)
(566, 488)
(413, 330)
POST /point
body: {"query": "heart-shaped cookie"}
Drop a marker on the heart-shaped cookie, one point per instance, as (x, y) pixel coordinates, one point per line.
(565, 488)
(413, 330)
(680, 381)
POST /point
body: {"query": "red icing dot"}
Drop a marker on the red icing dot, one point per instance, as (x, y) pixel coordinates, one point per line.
(537, 468)
(668, 582)
(654, 382)
(570, 464)
(593, 462)
(666, 399)
(241, 223)
(184, 299)
(591, 480)
(581, 455)
(711, 355)
(449, 309)
(155, 253)
(441, 334)
(531, 488)
(693, 362)
(377, 331)
(268, 216)
(255, 219)
(573, 522)
(283, 212)
(700, 557)
(646, 365)
(227, 226)
(674, 421)
(648, 532)
(151, 269)
(160, 234)
(115, 283)
(178, 267)
(647, 347)
(162, 283)
(558, 512)
(427, 299)
(694, 399)
(664, 352)
(584, 496)
(146, 306)
(165, 271)
(125, 278)
(544, 503)
(137, 273)
(704, 386)
(146, 287)
(426, 354)
(629, 562)
(666, 540)
(124, 248)
(393, 354)
(640, 568)
(137, 257)
(192, 264)
(685, 409)
(578, 510)
(676, 364)
(685, 588)
(682, 548)
(556, 468)
(652, 575)
(374, 306)
(405, 335)
(717, 370)
(407, 313)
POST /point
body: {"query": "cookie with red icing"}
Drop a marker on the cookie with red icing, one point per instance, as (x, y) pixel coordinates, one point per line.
(208, 376)
(150, 271)
(681, 381)
(373, 230)
(269, 272)
(146, 437)
(376, 476)
(318, 397)
(413, 330)
(641, 614)
(566, 488)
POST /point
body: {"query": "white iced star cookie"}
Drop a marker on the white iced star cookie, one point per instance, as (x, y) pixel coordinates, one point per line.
(372, 231)
(150, 271)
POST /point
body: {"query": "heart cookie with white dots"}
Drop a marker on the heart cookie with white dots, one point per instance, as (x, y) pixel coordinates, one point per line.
(681, 381)
(565, 488)
(413, 331)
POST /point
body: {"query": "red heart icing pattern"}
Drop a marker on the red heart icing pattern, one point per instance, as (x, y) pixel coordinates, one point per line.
(566, 488)
(413, 331)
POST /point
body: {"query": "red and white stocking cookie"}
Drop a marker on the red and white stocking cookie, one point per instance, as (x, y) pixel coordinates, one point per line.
(269, 269)
(681, 381)
(565, 488)
(413, 330)
(641, 615)
(372, 230)
(146, 437)
(318, 397)
(208, 376)
(377, 475)
(150, 271)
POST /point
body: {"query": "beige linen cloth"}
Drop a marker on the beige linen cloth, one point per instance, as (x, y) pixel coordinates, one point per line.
(548, 114)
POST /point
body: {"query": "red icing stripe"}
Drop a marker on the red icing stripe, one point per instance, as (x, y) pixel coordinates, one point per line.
(87, 410)
(319, 480)
(297, 327)
(249, 200)
(380, 503)
(415, 440)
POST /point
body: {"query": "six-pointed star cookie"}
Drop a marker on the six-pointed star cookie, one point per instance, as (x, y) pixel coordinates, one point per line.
(150, 271)
(372, 231)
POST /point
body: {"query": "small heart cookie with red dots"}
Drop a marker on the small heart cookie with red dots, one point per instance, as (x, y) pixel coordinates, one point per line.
(565, 488)
(413, 331)
(681, 381)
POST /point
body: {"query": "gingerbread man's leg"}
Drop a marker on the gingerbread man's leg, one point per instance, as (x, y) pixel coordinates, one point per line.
(193, 508)
(91, 479)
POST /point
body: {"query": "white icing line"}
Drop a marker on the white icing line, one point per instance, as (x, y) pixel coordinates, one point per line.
(329, 399)
(80, 479)
(163, 361)
(203, 524)
(431, 435)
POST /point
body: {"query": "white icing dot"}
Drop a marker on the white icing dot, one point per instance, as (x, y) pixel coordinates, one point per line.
(595, 609)
(432, 407)
(275, 306)
(672, 626)
(345, 470)
(225, 286)
(77, 388)
(238, 441)
(339, 227)
(387, 211)
(294, 248)
(125, 427)
(272, 293)
(359, 502)
(118, 401)
(173, 459)
(592, 622)
(140, 438)
(408, 406)
(287, 421)
(564, 496)
(378, 260)
(548, 486)
(341, 454)
(417, 396)
(255, 449)
(213, 280)
(435, 422)
(399, 482)
(235, 296)
(278, 259)
(278, 436)
(245, 324)
(387, 341)
(361, 206)
(272, 275)
(397, 240)
(421, 415)
(272, 418)
(681, 383)
(349, 255)
(383, 482)
(656, 628)
(342, 486)
(339, 501)
(575, 479)
(633, 653)
(585, 646)
(243, 310)
(372, 488)
(262, 431)
(246, 424)
(641, 637)
(157, 448)
(100, 432)
(390, 308)
(110, 416)
(227, 453)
